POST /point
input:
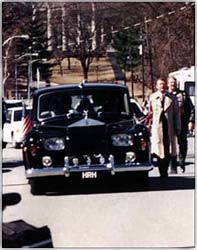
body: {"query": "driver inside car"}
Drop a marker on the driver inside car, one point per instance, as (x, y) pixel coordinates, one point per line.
(85, 104)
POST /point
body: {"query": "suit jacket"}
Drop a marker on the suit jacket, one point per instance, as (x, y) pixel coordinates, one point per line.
(171, 111)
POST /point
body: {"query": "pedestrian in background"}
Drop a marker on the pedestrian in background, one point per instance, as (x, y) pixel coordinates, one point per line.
(165, 124)
(187, 114)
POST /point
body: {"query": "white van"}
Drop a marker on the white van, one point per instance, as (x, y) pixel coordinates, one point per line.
(186, 81)
(13, 127)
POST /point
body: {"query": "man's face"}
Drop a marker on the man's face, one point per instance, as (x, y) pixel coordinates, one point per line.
(172, 85)
(161, 86)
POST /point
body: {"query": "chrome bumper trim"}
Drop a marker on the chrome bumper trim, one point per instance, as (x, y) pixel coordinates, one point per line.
(66, 171)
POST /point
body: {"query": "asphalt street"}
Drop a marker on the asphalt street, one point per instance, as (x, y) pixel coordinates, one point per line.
(104, 215)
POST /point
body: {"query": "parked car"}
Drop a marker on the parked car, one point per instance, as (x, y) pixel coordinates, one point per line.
(13, 103)
(13, 130)
(4, 118)
(84, 131)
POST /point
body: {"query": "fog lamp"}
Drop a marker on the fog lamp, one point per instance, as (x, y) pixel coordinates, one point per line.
(75, 161)
(88, 161)
(130, 157)
(66, 161)
(101, 159)
(111, 159)
(47, 161)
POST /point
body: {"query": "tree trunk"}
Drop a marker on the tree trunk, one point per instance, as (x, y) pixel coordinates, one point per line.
(69, 63)
(85, 68)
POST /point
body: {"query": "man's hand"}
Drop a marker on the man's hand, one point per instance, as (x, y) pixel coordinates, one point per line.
(177, 132)
(190, 126)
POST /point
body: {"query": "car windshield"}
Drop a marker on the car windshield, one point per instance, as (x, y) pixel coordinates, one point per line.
(190, 88)
(94, 101)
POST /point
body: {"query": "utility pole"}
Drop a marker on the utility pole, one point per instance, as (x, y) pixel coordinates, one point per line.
(63, 29)
(16, 80)
(141, 52)
(131, 66)
(148, 41)
(29, 76)
(150, 62)
(143, 79)
(78, 24)
(93, 27)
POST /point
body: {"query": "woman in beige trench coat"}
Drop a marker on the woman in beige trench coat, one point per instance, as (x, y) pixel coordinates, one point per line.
(165, 125)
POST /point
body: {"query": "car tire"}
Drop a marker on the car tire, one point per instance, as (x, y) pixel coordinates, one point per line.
(17, 145)
(37, 187)
(4, 144)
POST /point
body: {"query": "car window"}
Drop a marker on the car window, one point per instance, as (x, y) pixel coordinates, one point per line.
(96, 100)
(190, 88)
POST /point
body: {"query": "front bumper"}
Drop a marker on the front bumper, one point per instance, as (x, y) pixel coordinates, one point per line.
(67, 171)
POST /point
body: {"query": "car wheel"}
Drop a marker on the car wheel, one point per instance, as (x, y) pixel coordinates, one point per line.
(17, 145)
(37, 187)
(4, 144)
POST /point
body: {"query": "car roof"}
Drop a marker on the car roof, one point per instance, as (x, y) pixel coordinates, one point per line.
(18, 108)
(79, 86)
(8, 101)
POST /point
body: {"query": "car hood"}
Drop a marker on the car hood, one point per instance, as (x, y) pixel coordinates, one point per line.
(57, 127)
(86, 122)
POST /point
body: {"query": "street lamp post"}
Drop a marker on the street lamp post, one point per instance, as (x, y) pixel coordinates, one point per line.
(141, 51)
(30, 74)
(12, 37)
(8, 42)
(16, 80)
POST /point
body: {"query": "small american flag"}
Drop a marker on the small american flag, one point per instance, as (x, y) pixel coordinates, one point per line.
(146, 120)
(27, 122)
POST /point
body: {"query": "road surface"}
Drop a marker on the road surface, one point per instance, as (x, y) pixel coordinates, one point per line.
(104, 216)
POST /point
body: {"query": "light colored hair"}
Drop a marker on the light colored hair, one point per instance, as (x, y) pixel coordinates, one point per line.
(171, 77)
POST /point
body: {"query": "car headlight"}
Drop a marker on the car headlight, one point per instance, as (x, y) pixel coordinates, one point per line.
(54, 144)
(122, 140)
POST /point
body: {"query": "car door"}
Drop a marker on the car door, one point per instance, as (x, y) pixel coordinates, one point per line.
(7, 129)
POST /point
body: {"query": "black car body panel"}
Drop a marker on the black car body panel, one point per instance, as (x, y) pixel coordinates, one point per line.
(84, 129)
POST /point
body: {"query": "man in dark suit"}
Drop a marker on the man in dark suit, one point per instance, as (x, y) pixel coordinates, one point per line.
(187, 114)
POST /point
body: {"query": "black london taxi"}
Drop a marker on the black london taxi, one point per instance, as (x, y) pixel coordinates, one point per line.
(85, 131)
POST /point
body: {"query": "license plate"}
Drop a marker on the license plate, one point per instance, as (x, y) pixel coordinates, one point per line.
(89, 175)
